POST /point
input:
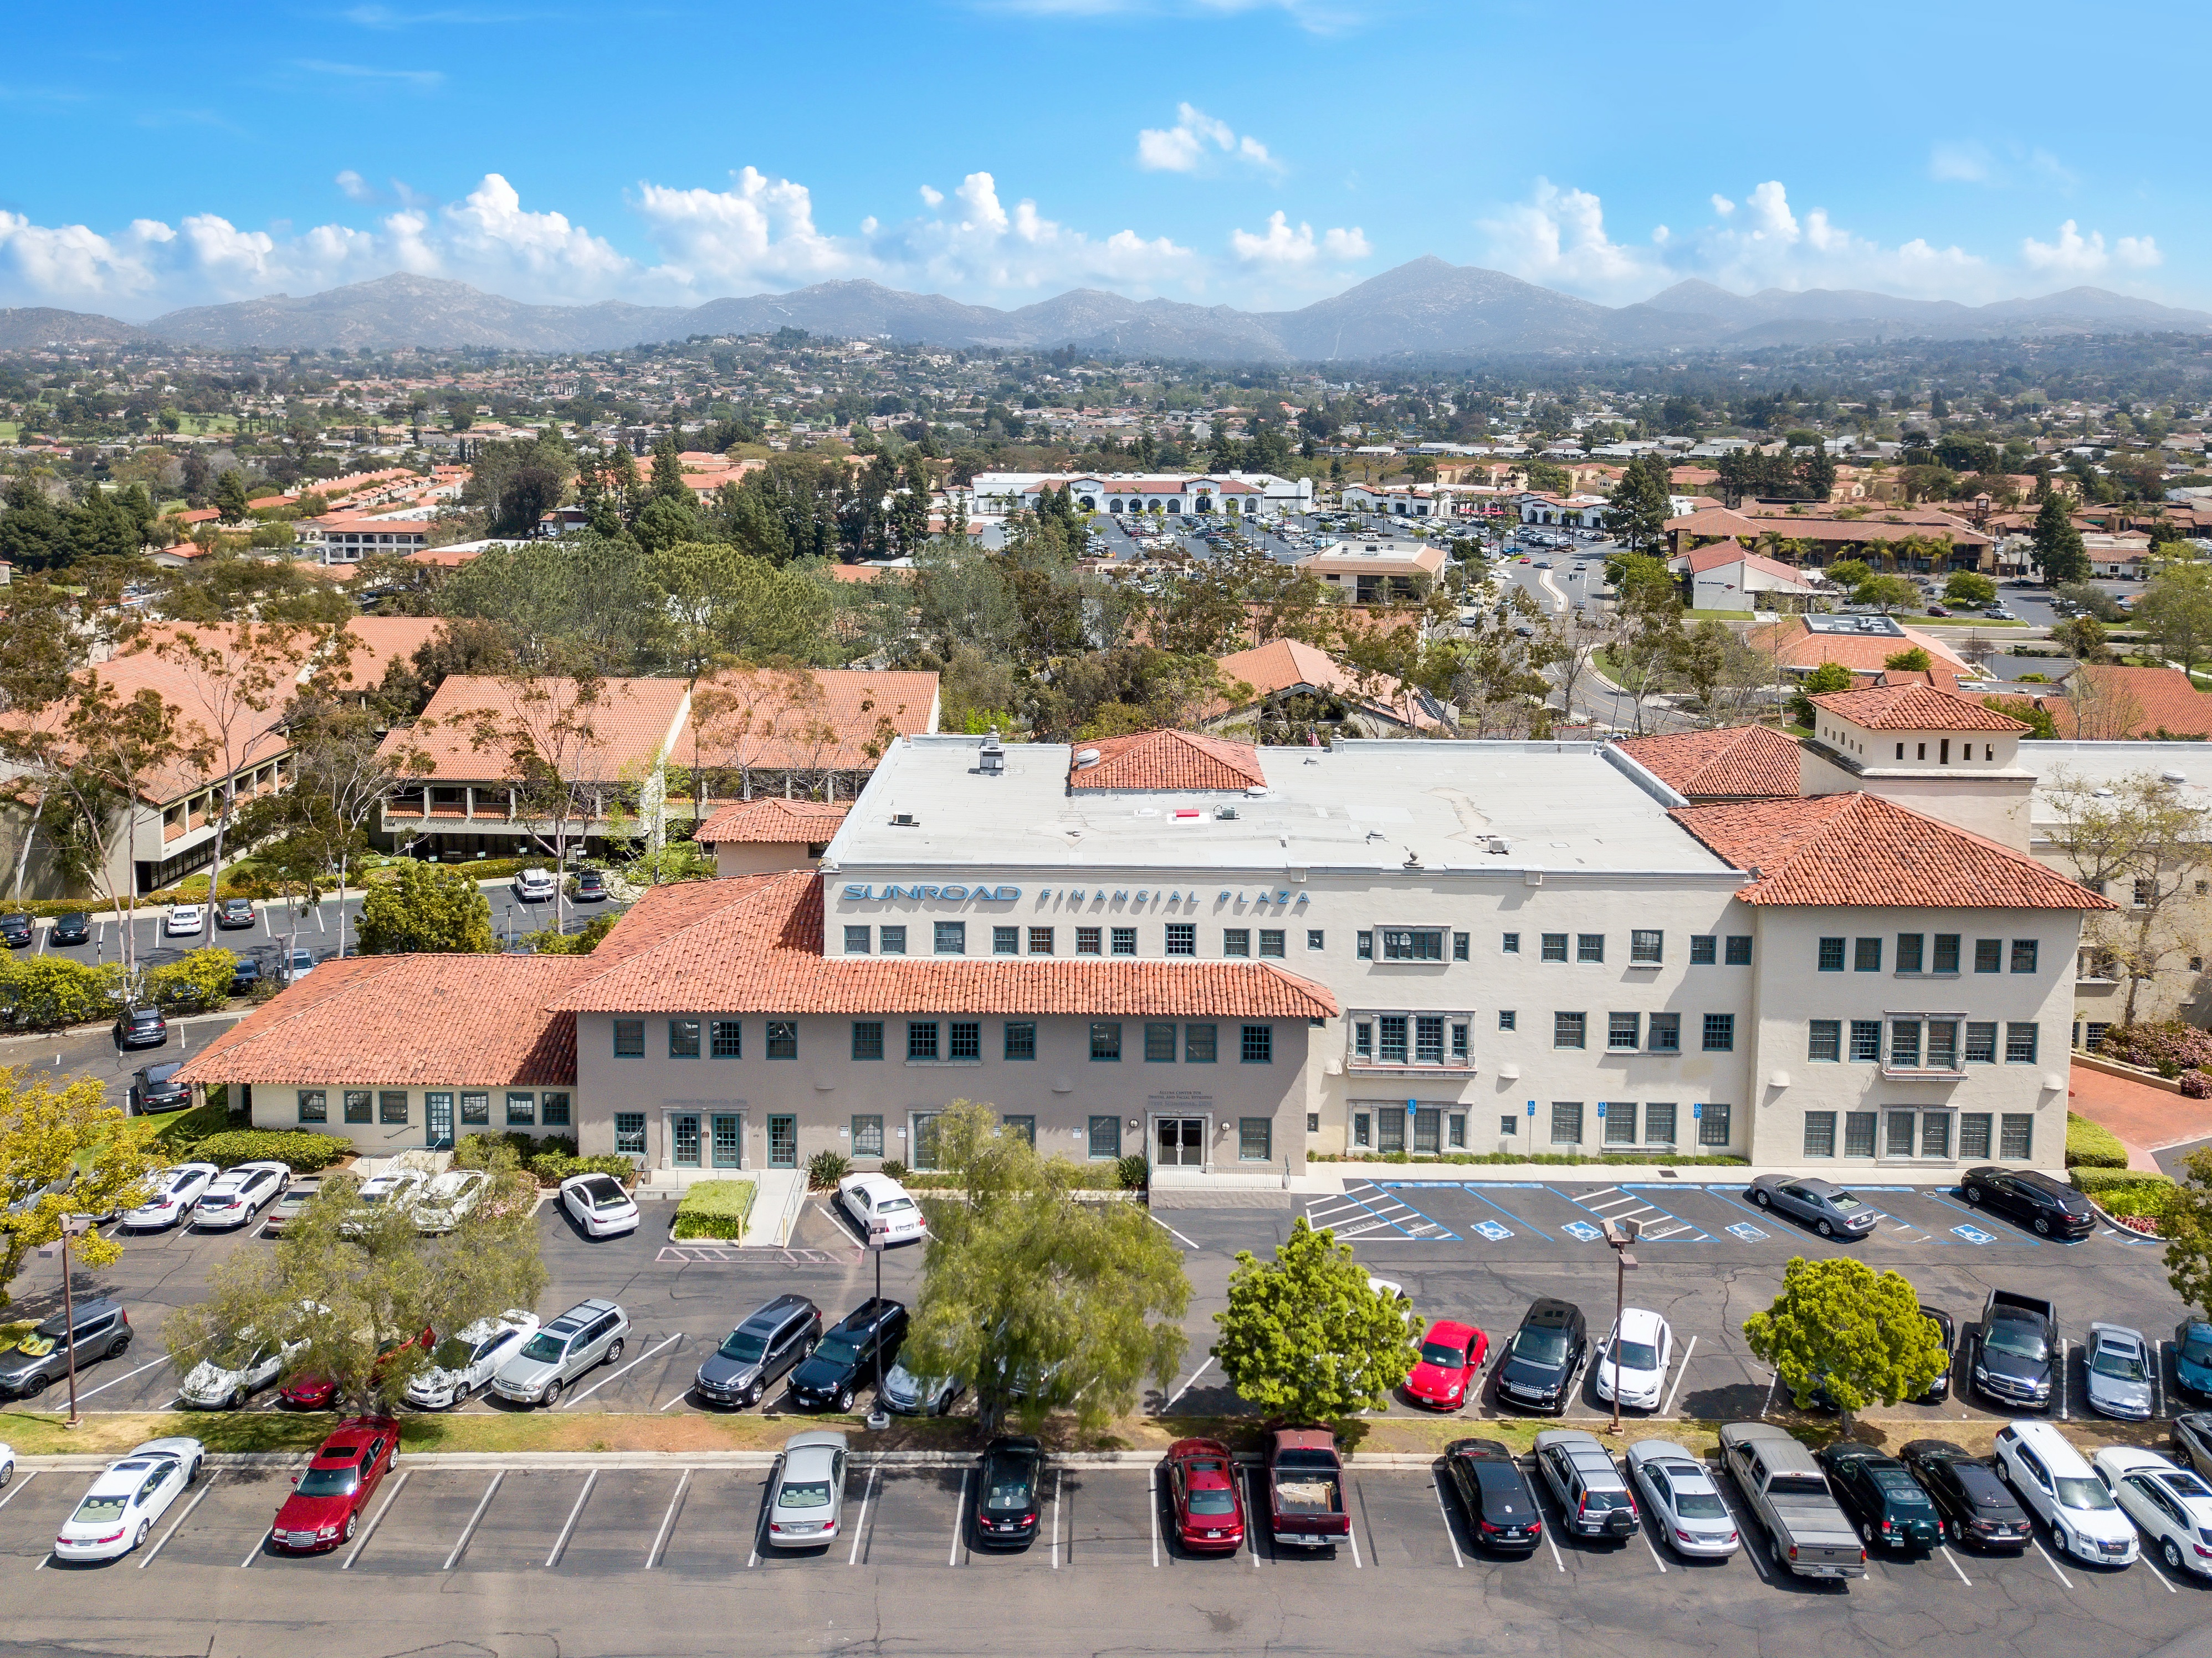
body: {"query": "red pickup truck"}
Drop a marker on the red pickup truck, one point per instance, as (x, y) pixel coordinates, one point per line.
(1305, 1489)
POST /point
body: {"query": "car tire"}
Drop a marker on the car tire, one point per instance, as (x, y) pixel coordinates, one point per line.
(33, 1389)
(1866, 1533)
(844, 1400)
(115, 1347)
(1825, 1230)
(614, 1351)
(237, 1400)
(145, 1529)
(1972, 1193)
(2043, 1227)
(1761, 1198)
(352, 1520)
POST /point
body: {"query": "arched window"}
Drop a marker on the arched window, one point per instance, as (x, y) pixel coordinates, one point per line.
(1089, 504)
(1115, 505)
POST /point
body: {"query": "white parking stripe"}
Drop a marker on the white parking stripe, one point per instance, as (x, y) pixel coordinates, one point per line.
(180, 1520)
(575, 1398)
(1170, 1231)
(1444, 1508)
(561, 1541)
(1185, 1388)
(2051, 1561)
(470, 1530)
(126, 1376)
(1743, 1531)
(1953, 1560)
(959, 1518)
(1551, 1532)
(2155, 1572)
(18, 1491)
(405, 1474)
(1152, 1502)
(667, 1520)
(1680, 1370)
(258, 1543)
(1055, 1519)
(2158, 1379)
(860, 1526)
(1252, 1512)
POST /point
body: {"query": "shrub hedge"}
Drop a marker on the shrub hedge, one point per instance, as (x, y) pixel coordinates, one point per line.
(825, 1168)
(2093, 1145)
(303, 1152)
(1631, 1160)
(714, 1209)
(2169, 1048)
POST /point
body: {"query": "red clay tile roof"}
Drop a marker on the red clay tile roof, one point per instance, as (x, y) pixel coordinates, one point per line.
(1861, 850)
(373, 643)
(407, 1021)
(813, 720)
(1168, 760)
(775, 821)
(2131, 702)
(753, 944)
(1916, 707)
(1736, 762)
(1282, 665)
(622, 731)
(1798, 646)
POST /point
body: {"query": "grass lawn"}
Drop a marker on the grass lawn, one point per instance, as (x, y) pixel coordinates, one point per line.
(1720, 615)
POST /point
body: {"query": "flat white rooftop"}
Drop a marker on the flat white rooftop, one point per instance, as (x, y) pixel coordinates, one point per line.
(2184, 767)
(1366, 806)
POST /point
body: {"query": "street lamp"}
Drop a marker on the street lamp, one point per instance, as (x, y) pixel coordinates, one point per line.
(73, 1226)
(878, 1419)
(1619, 1235)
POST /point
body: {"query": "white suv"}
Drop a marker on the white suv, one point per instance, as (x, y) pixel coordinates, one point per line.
(2053, 1479)
(534, 886)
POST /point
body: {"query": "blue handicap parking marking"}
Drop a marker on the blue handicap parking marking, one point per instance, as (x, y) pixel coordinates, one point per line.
(1493, 1231)
(1746, 1231)
(1975, 1235)
(1582, 1229)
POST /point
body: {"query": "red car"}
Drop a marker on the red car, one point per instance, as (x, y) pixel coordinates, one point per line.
(1209, 1502)
(1452, 1357)
(309, 1391)
(324, 1508)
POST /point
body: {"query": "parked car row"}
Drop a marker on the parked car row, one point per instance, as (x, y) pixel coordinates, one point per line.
(223, 1199)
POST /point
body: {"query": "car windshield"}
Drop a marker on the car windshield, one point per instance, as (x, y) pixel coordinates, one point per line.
(745, 1349)
(2197, 1349)
(1844, 1203)
(1214, 1502)
(1639, 1356)
(1442, 1356)
(1699, 1505)
(2185, 1484)
(35, 1345)
(838, 1350)
(330, 1482)
(2016, 1339)
(1536, 1346)
(2077, 1492)
(546, 1347)
(103, 1507)
(2120, 1363)
(892, 1206)
(809, 1494)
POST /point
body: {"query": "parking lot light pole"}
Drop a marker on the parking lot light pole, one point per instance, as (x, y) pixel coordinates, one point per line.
(878, 1419)
(72, 1226)
(1619, 1235)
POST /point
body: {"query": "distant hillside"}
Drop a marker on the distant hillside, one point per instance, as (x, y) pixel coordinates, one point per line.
(1426, 308)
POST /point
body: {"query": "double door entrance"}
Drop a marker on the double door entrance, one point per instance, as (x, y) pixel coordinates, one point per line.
(707, 1140)
(1179, 1141)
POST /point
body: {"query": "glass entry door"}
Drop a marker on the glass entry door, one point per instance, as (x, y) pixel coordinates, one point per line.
(1179, 1141)
(783, 1142)
(438, 1122)
(684, 1140)
(729, 1132)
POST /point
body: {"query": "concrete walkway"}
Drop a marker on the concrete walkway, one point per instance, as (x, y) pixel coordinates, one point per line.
(2147, 1119)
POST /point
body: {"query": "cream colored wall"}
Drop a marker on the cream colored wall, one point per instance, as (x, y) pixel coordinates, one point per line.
(1987, 803)
(760, 856)
(277, 1106)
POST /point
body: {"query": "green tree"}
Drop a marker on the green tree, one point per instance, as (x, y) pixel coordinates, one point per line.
(1306, 1340)
(2187, 1223)
(2059, 546)
(2045, 729)
(1025, 1290)
(64, 1152)
(1842, 1328)
(1915, 661)
(1967, 587)
(1828, 676)
(1886, 592)
(2082, 637)
(355, 1285)
(427, 909)
(1637, 516)
(1848, 573)
(230, 497)
(2176, 612)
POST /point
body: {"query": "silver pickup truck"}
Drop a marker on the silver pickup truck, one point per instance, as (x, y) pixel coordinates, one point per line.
(1789, 1498)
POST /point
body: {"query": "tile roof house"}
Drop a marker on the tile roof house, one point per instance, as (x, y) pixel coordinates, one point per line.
(1800, 643)
(1290, 667)
(757, 836)
(1733, 762)
(1172, 760)
(1916, 707)
(2106, 703)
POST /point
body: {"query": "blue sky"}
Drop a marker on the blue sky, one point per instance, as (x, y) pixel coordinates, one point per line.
(1258, 153)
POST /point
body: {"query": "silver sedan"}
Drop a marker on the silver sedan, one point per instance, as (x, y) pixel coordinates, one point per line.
(2119, 1361)
(1824, 1206)
(1683, 1499)
(807, 1502)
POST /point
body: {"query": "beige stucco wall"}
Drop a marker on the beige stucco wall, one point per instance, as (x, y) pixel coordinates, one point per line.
(278, 1106)
(760, 856)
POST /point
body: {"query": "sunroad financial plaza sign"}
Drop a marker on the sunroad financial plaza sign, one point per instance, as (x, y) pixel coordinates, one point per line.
(991, 892)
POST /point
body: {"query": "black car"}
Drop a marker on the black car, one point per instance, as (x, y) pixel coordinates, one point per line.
(591, 886)
(2047, 1206)
(73, 929)
(1940, 1389)
(845, 1359)
(1538, 1371)
(156, 1087)
(234, 913)
(244, 974)
(1008, 1486)
(101, 1329)
(763, 1347)
(14, 931)
(1880, 1498)
(141, 1027)
(1494, 1494)
(1971, 1502)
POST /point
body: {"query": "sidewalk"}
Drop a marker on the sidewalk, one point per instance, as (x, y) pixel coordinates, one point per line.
(2147, 1119)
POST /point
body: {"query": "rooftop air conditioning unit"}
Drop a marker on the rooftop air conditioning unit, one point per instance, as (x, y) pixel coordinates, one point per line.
(901, 820)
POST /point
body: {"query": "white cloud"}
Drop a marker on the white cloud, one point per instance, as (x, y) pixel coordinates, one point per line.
(1194, 142)
(356, 188)
(422, 80)
(761, 229)
(982, 244)
(1281, 247)
(1558, 237)
(2075, 255)
(932, 197)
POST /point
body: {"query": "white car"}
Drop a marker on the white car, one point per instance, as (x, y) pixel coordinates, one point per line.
(599, 1204)
(1646, 1345)
(174, 1191)
(1683, 1500)
(185, 921)
(227, 1380)
(2173, 1506)
(534, 886)
(464, 1362)
(301, 965)
(6, 1465)
(882, 1210)
(448, 1198)
(2050, 1477)
(237, 1196)
(127, 1497)
(396, 1188)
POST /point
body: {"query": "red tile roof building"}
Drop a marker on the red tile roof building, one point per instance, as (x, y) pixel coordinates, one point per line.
(1735, 762)
(1167, 760)
(1916, 707)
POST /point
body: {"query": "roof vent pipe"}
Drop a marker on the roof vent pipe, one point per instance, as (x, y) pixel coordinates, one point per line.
(1085, 759)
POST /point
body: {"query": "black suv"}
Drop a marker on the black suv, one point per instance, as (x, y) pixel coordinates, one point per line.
(845, 1360)
(42, 1357)
(156, 1087)
(762, 1348)
(70, 929)
(2049, 1207)
(141, 1027)
(14, 931)
(244, 974)
(1539, 1370)
(1879, 1496)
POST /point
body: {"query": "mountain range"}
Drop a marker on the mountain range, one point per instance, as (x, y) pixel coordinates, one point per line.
(1426, 309)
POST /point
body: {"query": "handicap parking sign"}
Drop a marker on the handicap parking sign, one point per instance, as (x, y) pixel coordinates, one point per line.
(1492, 1230)
(1975, 1235)
(1746, 1231)
(1582, 1229)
